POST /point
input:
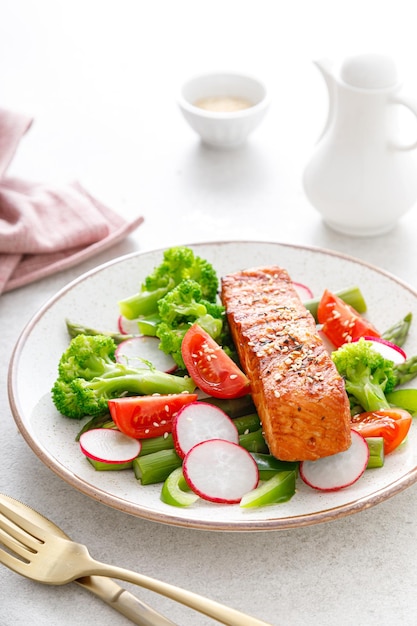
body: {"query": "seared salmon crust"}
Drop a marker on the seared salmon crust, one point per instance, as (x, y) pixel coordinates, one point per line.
(299, 395)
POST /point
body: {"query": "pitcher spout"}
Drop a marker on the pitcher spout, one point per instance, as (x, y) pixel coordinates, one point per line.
(325, 66)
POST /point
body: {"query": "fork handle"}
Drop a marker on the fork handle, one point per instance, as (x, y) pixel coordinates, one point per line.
(123, 601)
(215, 610)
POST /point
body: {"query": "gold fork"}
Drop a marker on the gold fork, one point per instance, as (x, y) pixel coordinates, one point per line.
(39, 554)
(105, 588)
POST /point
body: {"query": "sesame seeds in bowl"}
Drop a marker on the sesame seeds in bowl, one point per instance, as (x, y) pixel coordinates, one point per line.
(223, 108)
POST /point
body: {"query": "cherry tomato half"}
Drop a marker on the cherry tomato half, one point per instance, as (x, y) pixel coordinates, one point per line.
(391, 424)
(212, 370)
(341, 323)
(142, 417)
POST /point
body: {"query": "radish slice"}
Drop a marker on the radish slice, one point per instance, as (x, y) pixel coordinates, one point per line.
(127, 327)
(109, 446)
(136, 351)
(196, 422)
(303, 291)
(220, 471)
(338, 470)
(388, 350)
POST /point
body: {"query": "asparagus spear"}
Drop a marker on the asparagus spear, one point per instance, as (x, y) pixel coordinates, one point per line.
(406, 371)
(398, 332)
(79, 329)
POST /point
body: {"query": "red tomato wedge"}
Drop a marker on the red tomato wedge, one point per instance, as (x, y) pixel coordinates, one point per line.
(391, 424)
(142, 417)
(341, 323)
(212, 370)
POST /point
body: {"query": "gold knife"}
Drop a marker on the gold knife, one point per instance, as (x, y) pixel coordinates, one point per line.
(123, 601)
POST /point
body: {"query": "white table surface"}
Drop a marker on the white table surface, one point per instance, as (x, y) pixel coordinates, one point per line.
(100, 79)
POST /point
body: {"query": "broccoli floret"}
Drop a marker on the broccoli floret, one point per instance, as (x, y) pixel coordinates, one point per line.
(367, 374)
(81, 397)
(170, 340)
(182, 307)
(176, 265)
(87, 356)
(183, 303)
(179, 263)
(88, 376)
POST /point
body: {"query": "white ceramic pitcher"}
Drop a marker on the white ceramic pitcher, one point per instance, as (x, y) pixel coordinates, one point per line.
(360, 178)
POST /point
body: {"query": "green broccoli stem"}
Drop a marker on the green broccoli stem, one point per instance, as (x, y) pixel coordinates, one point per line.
(370, 397)
(351, 295)
(406, 371)
(156, 467)
(398, 333)
(142, 303)
(376, 452)
(148, 324)
(78, 329)
(144, 382)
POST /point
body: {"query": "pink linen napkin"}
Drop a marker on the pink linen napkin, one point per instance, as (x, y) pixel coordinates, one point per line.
(46, 229)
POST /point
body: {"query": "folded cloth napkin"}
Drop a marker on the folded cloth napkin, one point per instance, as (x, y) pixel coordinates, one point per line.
(45, 229)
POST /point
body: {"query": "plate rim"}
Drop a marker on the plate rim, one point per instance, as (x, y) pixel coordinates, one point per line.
(285, 523)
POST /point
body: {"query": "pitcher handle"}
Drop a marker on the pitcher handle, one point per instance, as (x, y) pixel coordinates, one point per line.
(411, 105)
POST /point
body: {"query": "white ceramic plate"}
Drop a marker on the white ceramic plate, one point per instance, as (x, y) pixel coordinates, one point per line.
(92, 299)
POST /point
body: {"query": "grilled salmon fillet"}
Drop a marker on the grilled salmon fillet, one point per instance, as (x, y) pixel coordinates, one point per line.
(299, 395)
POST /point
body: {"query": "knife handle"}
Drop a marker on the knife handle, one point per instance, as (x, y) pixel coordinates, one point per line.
(123, 601)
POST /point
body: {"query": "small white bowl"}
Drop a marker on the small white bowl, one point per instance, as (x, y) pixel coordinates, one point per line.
(223, 129)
